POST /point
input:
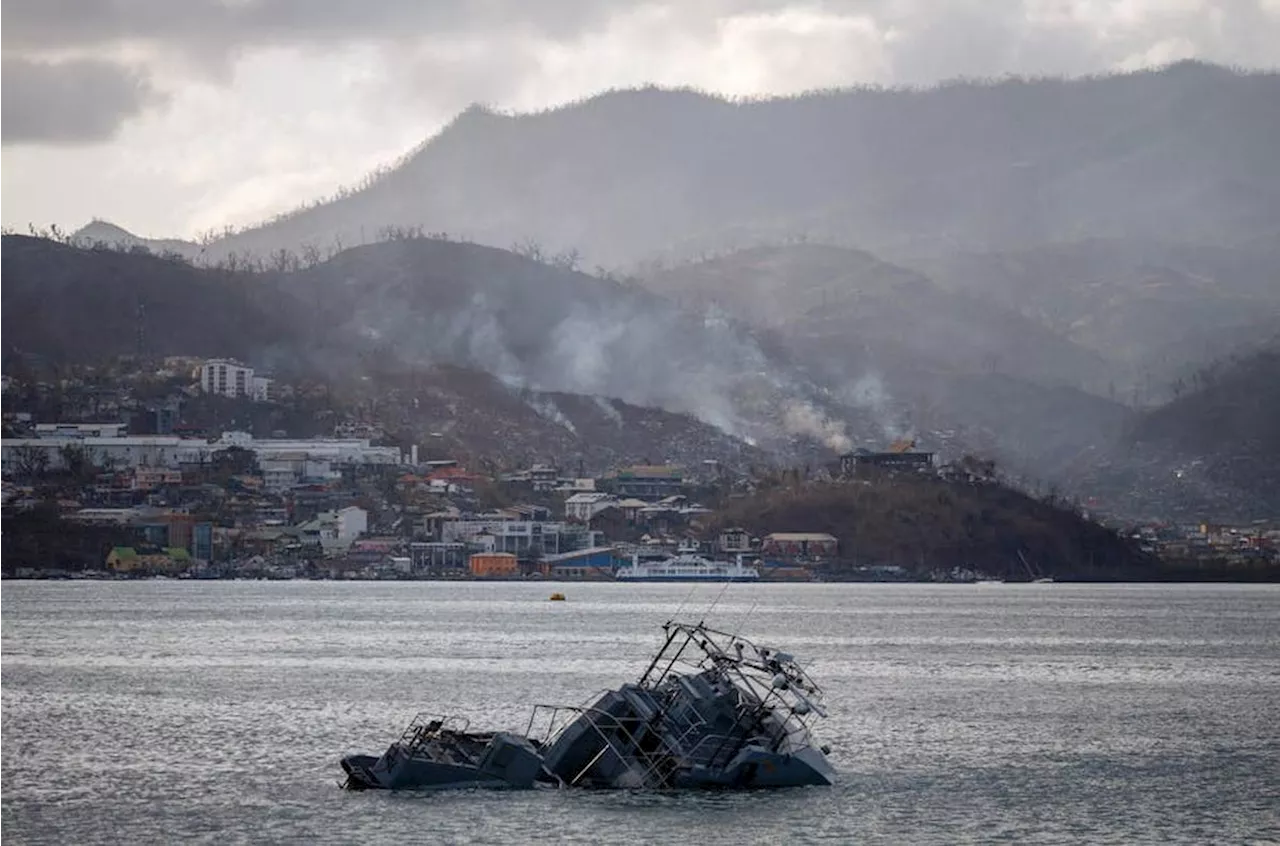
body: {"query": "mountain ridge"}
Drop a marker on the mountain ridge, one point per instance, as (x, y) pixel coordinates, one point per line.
(1175, 152)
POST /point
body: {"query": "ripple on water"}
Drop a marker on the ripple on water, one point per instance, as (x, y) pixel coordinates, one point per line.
(197, 712)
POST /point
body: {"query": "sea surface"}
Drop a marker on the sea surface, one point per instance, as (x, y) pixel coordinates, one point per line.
(170, 711)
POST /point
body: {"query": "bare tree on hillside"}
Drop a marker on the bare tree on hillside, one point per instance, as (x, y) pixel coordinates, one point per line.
(30, 463)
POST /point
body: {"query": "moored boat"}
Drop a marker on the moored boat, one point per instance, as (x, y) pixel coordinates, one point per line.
(687, 568)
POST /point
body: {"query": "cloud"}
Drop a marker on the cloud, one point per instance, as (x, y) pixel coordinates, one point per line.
(75, 102)
(272, 103)
(229, 25)
(925, 39)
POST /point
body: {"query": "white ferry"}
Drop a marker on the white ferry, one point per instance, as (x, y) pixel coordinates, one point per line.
(687, 568)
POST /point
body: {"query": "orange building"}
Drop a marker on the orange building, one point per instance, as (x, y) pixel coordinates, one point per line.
(491, 565)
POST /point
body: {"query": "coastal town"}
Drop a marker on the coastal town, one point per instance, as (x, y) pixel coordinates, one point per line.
(115, 482)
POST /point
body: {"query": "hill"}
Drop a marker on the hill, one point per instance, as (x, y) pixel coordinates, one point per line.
(334, 326)
(1227, 428)
(1212, 453)
(846, 303)
(927, 524)
(923, 358)
(1182, 154)
(413, 303)
(1150, 308)
(77, 304)
(890, 352)
(551, 328)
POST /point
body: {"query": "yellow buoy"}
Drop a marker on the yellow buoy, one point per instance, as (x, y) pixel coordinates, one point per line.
(557, 597)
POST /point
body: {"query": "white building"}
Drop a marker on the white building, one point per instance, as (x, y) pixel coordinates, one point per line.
(316, 457)
(80, 430)
(333, 450)
(262, 389)
(335, 531)
(231, 378)
(227, 377)
(517, 536)
(281, 474)
(119, 453)
(583, 506)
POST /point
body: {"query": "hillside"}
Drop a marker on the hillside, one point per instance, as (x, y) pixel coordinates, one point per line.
(890, 354)
(925, 524)
(469, 415)
(416, 303)
(554, 329)
(84, 305)
(1151, 308)
(939, 360)
(848, 304)
(1227, 428)
(1181, 154)
(1211, 453)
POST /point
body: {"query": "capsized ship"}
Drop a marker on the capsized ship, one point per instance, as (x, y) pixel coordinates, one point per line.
(712, 710)
(438, 752)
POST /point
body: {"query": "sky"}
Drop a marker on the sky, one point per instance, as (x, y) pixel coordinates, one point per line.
(174, 118)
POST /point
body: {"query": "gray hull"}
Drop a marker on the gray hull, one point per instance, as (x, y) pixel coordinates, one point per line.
(693, 732)
(507, 761)
(759, 768)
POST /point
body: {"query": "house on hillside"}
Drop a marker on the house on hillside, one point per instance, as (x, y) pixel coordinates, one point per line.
(734, 541)
(796, 545)
(335, 531)
(581, 507)
(908, 460)
(648, 482)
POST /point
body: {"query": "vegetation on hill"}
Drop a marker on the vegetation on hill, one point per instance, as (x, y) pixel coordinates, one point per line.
(1182, 153)
(72, 304)
(1226, 428)
(944, 360)
(370, 335)
(39, 538)
(1151, 308)
(1230, 406)
(416, 301)
(926, 524)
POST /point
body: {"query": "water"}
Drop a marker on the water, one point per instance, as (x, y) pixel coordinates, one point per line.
(215, 712)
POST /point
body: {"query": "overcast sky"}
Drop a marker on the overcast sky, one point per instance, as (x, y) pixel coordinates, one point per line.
(172, 117)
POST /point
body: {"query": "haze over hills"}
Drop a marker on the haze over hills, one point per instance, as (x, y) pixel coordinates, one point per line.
(87, 306)
(943, 360)
(1181, 154)
(1126, 213)
(1213, 451)
(1153, 309)
(889, 355)
(847, 307)
(417, 303)
(1005, 267)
